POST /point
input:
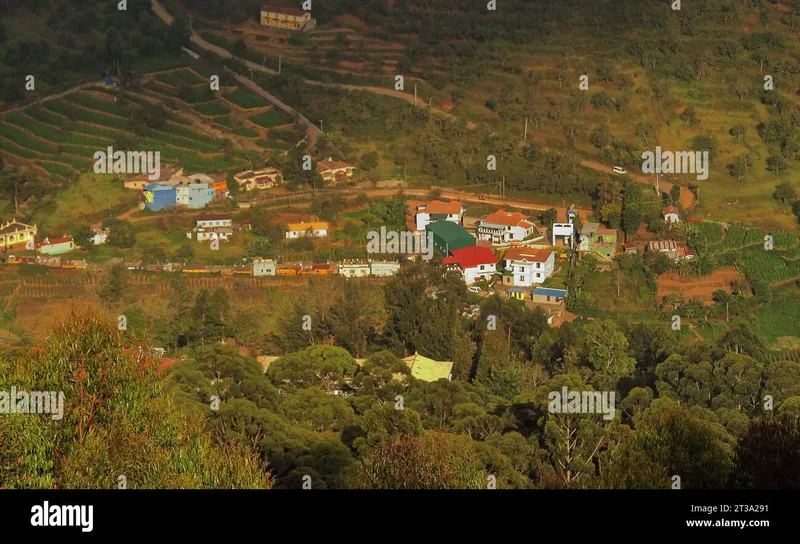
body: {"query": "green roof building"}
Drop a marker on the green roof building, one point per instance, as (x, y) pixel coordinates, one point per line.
(428, 370)
(448, 236)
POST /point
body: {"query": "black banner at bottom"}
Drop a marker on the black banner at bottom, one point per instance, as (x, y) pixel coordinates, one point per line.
(206, 513)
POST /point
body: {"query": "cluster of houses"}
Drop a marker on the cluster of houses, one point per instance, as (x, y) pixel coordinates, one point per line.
(268, 267)
(173, 189)
(194, 192)
(524, 255)
(332, 172)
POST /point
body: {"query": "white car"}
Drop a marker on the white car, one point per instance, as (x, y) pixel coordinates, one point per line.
(619, 170)
(474, 289)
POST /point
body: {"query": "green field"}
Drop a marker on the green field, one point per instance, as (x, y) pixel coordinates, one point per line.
(271, 118)
(246, 99)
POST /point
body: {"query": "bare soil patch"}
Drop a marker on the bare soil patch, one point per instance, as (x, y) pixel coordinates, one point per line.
(702, 288)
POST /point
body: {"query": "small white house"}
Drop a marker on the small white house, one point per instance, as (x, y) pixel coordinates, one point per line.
(473, 263)
(528, 266)
(263, 267)
(300, 230)
(214, 220)
(671, 214)
(564, 233)
(100, 236)
(436, 210)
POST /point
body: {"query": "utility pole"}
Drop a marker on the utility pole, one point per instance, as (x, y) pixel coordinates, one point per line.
(264, 61)
(280, 59)
(190, 25)
(658, 188)
(525, 137)
(415, 94)
(251, 73)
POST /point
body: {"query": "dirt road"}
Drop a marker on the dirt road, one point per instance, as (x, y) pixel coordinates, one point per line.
(687, 197)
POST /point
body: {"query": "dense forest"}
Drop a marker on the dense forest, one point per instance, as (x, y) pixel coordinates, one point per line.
(716, 415)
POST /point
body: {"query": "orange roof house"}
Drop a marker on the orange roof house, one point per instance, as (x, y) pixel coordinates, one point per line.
(503, 227)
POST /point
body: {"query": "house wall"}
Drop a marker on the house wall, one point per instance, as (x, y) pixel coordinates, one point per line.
(354, 271)
(544, 299)
(56, 249)
(199, 197)
(382, 270)
(214, 223)
(475, 273)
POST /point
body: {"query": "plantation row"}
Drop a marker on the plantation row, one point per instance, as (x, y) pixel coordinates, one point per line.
(768, 266)
(712, 238)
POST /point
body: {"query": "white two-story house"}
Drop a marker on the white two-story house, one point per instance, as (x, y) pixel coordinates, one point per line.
(502, 227)
(523, 267)
(212, 226)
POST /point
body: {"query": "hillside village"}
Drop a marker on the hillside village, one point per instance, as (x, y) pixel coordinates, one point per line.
(505, 252)
(383, 245)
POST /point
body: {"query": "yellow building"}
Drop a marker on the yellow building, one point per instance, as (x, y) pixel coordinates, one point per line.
(14, 232)
(287, 18)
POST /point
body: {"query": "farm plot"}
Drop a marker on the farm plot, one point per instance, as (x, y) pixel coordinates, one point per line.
(180, 77)
(246, 99)
(701, 288)
(270, 118)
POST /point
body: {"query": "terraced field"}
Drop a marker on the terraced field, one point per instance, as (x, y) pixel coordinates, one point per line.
(233, 109)
(60, 136)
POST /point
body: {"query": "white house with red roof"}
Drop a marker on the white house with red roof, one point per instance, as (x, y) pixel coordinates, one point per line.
(502, 227)
(523, 267)
(55, 246)
(472, 262)
(437, 210)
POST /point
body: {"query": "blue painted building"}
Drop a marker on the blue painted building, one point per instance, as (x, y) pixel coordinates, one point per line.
(200, 194)
(158, 196)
